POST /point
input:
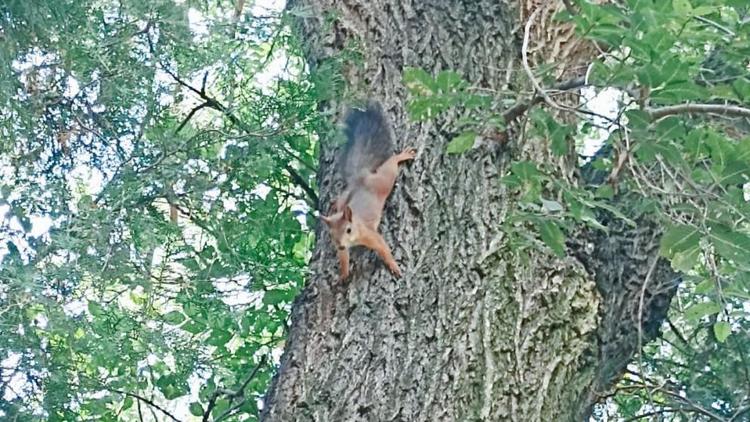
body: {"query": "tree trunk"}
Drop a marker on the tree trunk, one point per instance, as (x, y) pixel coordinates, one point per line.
(478, 328)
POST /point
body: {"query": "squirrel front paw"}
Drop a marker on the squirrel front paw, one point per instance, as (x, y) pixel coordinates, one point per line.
(394, 269)
(408, 154)
(343, 274)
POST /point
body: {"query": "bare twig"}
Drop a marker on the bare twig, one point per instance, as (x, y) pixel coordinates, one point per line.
(297, 178)
(641, 301)
(238, 6)
(722, 109)
(569, 7)
(203, 84)
(715, 25)
(233, 395)
(189, 116)
(691, 406)
(147, 401)
(654, 413)
(678, 334)
(218, 106)
(229, 411)
(525, 60)
(741, 411)
(520, 108)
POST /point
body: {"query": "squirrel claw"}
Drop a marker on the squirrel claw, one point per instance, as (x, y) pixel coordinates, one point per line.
(408, 154)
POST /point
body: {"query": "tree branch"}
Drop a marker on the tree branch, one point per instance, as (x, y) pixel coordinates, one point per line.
(722, 109)
(649, 414)
(692, 406)
(741, 411)
(569, 7)
(147, 401)
(525, 62)
(520, 108)
(218, 106)
(299, 180)
(232, 394)
(189, 116)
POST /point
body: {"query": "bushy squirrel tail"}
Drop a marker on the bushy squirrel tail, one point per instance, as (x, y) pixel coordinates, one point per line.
(368, 144)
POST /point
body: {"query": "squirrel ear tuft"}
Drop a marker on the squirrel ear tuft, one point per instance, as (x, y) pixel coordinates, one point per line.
(325, 219)
(348, 214)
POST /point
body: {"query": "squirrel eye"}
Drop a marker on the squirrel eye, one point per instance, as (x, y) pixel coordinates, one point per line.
(348, 230)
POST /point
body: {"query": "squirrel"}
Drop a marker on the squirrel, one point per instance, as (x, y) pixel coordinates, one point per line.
(369, 169)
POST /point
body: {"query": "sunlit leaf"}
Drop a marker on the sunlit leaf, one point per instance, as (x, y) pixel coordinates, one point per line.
(552, 236)
(722, 329)
(461, 143)
(700, 310)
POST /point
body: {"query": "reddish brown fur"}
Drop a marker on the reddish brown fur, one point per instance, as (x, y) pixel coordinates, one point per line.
(356, 214)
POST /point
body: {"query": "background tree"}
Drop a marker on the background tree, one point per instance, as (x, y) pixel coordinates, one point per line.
(160, 159)
(153, 173)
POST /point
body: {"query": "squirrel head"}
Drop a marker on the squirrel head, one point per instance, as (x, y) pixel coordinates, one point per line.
(343, 230)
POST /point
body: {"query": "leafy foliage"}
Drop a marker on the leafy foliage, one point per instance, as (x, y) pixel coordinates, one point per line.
(687, 166)
(154, 184)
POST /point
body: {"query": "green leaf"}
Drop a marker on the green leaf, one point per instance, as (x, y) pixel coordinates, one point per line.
(651, 76)
(705, 10)
(679, 238)
(605, 192)
(552, 236)
(737, 292)
(557, 134)
(582, 212)
(614, 210)
(730, 244)
(461, 142)
(638, 119)
(174, 317)
(679, 92)
(742, 87)
(700, 310)
(448, 81)
(171, 387)
(221, 406)
(720, 149)
(686, 260)
(196, 409)
(418, 81)
(276, 296)
(551, 206)
(219, 337)
(705, 286)
(95, 308)
(424, 108)
(722, 329)
(525, 170)
(194, 327)
(682, 7)
(610, 34)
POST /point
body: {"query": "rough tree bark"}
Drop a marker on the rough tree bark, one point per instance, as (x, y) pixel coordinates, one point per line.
(477, 329)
